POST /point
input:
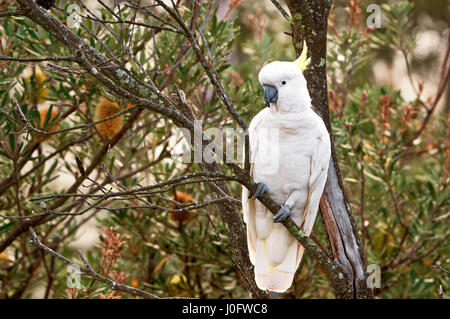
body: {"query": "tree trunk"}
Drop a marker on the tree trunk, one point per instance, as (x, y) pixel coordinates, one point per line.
(309, 23)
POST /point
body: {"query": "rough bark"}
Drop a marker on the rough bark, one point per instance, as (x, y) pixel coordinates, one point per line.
(309, 22)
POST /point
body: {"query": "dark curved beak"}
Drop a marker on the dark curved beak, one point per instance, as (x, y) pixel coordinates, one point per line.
(270, 94)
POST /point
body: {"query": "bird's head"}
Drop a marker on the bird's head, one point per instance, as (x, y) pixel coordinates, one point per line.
(284, 84)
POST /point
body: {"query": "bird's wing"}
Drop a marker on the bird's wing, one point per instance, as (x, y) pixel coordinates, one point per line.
(248, 205)
(318, 176)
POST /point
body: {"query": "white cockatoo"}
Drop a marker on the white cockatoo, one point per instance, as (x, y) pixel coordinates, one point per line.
(289, 154)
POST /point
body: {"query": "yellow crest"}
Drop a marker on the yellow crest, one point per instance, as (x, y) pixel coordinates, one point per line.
(302, 62)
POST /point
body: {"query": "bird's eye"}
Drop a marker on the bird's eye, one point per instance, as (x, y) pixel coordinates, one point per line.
(283, 82)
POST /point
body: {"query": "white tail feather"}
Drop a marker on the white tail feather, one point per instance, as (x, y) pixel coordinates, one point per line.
(277, 281)
(271, 276)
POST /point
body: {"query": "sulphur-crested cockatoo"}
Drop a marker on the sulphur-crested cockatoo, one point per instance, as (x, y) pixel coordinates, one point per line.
(289, 153)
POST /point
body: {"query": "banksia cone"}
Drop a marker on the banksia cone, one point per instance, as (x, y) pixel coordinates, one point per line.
(184, 198)
(134, 282)
(105, 109)
(4, 259)
(179, 286)
(48, 127)
(39, 78)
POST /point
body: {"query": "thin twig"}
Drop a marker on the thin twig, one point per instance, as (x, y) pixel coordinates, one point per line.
(281, 9)
(16, 13)
(442, 269)
(50, 58)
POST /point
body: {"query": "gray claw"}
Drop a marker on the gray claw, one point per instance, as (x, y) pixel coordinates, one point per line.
(283, 214)
(261, 188)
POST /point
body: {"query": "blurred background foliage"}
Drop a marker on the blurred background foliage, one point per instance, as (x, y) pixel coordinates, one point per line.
(395, 166)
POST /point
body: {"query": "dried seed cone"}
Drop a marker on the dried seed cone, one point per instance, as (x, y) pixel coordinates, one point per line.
(184, 198)
(40, 77)
(106, 108)
(4, 260)
(50, 127)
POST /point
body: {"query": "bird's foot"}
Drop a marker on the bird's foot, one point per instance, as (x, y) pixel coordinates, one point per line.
(259, 190)
(283, 214)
